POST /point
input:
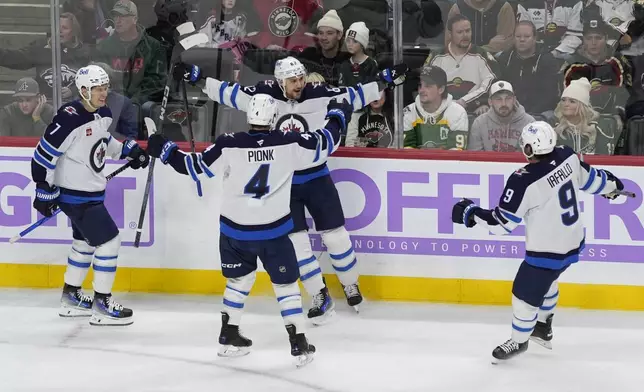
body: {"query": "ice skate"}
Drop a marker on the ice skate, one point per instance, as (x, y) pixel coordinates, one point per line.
(233, 343)
(508, 350)
(300, 347)
(74, 303)
(322, 307)
(106, 311)
(354, 297)
(542, 333)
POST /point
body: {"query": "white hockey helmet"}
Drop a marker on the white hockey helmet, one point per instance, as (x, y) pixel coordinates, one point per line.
(541, 138)
(91, 76)
(262, 110)
(288, 67)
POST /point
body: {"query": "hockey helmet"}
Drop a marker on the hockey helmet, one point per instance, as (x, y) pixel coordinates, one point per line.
(541, 138)
(91, 76)
(288, 67)
(262, 110)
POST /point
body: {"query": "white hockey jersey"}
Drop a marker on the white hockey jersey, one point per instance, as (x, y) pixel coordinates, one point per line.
(257, 169)
(558, 23)
(302, 115)
(544, 196)
(616, 13)
(71, 154)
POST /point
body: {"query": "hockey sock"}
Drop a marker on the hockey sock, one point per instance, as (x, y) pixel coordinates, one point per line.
(290, 300)
(235, 294)
(523, 321)
(105, 265)
(343, 258)
(549, 302)
(310, 271)
(78, 262)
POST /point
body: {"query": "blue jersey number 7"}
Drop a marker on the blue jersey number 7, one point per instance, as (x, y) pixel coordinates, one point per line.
(258, 184)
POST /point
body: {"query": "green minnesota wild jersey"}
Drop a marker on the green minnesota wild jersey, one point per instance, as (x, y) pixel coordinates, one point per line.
(446, 130)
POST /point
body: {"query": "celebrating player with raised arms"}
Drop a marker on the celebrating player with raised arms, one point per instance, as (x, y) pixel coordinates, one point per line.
(257, 168)
(544, 196)
(67, 167)
(301, 107)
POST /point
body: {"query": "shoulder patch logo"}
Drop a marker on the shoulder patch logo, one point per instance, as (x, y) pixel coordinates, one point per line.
(521, 171)
(88, 132)
(71, 111)
(260, 142)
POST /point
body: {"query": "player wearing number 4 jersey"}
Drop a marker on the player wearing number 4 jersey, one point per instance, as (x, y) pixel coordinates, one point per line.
(543, 195)
(68, 170)
(257, 168)
(301, 107)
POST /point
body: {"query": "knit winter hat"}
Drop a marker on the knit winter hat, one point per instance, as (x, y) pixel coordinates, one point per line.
(579, 90)
(332, 20)
(359, 32)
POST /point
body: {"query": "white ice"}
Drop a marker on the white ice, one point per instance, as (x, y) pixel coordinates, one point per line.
(389, 347)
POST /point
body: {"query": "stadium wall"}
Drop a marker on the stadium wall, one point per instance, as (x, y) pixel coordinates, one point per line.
(398, 209)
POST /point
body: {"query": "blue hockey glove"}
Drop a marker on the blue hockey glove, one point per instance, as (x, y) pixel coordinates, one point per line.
(395, 76)
(162, 148)
(340, 111)
(133, 152)
(188, 73)
(463, 213)
(46, 201)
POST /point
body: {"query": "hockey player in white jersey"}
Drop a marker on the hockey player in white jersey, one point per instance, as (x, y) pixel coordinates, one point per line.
(257, 168)
(544, 196)
(302, 107)
(67, 168)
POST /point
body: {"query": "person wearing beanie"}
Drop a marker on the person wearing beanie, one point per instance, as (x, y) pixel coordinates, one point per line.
(577, 125)
(360, 68)
(326, 57)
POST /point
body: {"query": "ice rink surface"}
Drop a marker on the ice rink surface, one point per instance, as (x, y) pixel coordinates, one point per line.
(172, 346)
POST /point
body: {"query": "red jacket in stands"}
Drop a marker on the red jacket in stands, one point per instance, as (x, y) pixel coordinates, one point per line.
(285, 23)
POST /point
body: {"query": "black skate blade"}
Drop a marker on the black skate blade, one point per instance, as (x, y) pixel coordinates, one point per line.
(304, 359)
(228, 351)
(541, 342)
(323, 319)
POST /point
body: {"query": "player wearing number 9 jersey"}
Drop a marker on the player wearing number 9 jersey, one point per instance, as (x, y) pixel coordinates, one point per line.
(544, 196)
(257, 168)
(67, 168)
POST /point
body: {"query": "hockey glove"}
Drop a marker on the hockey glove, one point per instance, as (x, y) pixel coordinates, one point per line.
(134, 153)
(619, 185)
(162, 148)
(463, 213)
(46, 201)
(340, 111)
(395, 76)
(188, 73)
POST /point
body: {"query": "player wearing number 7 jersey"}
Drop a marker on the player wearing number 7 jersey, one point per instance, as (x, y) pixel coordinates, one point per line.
(257, 168)
(301, 108)
(543, 195)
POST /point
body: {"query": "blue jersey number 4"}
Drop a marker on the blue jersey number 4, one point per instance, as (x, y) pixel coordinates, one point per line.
(258, 184)
(568, 201)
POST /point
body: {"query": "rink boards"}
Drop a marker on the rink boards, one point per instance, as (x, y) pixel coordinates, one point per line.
(398, 208)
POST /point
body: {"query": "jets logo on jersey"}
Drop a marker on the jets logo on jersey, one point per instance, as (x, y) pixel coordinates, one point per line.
(97, 155)
(71, 111)
(283, 21)
(88, 132)
(292, 123)
(521, 171)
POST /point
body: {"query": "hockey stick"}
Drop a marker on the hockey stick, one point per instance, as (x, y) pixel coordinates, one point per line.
(31, 228)
(186, 43)
(184, 92)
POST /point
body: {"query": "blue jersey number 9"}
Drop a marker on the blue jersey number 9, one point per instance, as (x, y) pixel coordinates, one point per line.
(258, 184)
(568, 201)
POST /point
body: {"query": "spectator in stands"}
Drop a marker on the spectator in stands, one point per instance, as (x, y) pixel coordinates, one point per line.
(500, 128)
(93, 16)
(578, 127)
(373, 127)
(530, 68)
(230, 20)
(38, 54)
(492, 22)
(470, 69)
(287, 24)
(360, 68)
(617, 14)
(125, 114)
(29, 115)
(138, 60)
(558, 23)
(326, 58)
(595, 51)
(434, 120)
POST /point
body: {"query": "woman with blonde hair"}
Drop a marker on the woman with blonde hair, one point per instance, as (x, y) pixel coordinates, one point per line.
(577, 122)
